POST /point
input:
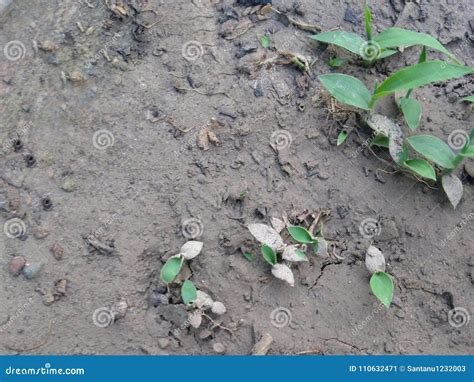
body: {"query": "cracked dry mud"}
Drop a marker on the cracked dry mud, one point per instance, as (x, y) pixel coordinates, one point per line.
(131, 199)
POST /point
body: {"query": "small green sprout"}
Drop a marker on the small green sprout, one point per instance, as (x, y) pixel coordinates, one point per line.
(382, 45)
(336, 62)
(382, 287)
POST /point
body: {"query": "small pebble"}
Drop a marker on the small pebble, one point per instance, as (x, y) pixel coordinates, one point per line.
(57, 251)
(218, 348)
(16, 265)
(163, 342)
(68, 185)
(30, 271)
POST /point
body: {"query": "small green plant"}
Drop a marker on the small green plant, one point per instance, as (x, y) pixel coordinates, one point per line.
(380, 282)
(382, 45)
(351, 91)
(275, 252)
(382, 287)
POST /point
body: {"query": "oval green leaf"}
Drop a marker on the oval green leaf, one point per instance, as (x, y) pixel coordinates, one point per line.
(421, 168)
(399, 37)
(434, 149)
(269, 254)
(411, 110)
(301, 235)
(419, 75)
(347, 89)
(341, 138)
(188, 292)
(349, 41)
(171, 268)
(468, 98)
(382, 287)
(381, 141)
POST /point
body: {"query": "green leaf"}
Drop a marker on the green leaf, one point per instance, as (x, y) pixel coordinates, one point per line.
(336, 62)
(249, 256)
(301, 234)
(399, 37)
(171, 268)
(347, 89)
(421, 167)
(411, 110)
(301, 254)
(265, 41)
(419, 75)
(468, 98)
(387, 53)
(269, 254)
(341, 138)
(468, 152)
(349, 41)
(422, 57)
(188, 292)
(434, 149)
(381, 141)
(382, 287)
(368, 22)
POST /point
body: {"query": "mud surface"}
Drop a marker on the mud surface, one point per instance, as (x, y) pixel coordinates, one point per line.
(116, 206)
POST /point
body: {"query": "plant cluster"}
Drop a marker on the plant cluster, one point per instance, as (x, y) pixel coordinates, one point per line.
(437, 159)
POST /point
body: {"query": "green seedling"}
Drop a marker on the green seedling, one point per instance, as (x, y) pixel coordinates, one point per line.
(341, 138)
(265, 42)
(380, 282)
(336, 62)
(382, 45)
(468, 99)
(173, 265)
(188, 292)
(275, 252)
(382, 287)
(349, 90)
